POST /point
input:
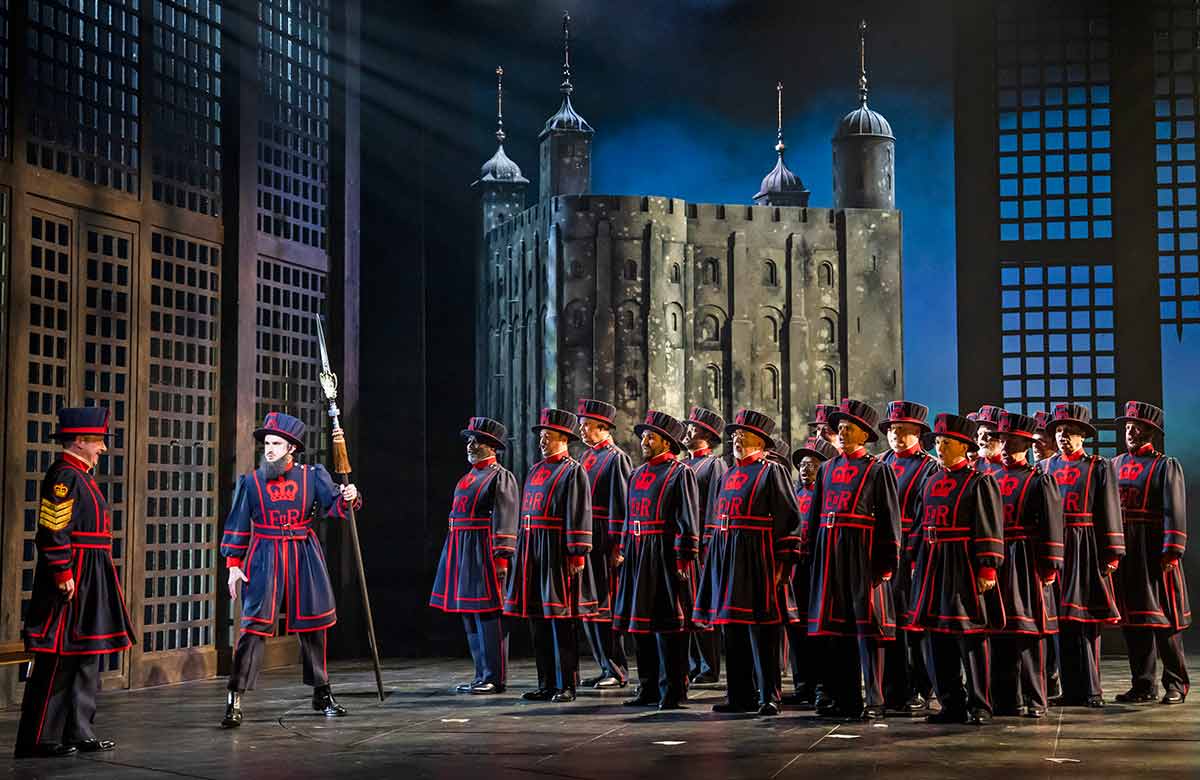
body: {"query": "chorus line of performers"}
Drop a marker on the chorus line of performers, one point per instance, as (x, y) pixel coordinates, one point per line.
(964, 585)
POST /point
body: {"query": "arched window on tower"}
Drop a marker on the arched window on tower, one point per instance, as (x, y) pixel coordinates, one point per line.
(712, 272)
(710, 330)
(825, 275)
(627, 320)
(770, 274)
(828, 388)
(712, 383)
(632, 392)
(770, 388)
(676, 274)
(826, 331)
(631, 270)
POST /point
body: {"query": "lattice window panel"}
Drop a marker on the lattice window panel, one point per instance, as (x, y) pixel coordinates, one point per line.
(288, 358)
(1176, 84)
(1058, 322)
(47, 368)
(186, 104)
(181, 458)
(293, 128)
(5, 85)
(107, 261)
(1054, 120)
(84, 117)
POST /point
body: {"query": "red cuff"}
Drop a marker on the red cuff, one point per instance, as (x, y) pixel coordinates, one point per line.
(988, 573)
(501, 563)
(1050, 577)
(233, 563)
(577, 560)
(62, 576)
(681, 565)
(1171, 555)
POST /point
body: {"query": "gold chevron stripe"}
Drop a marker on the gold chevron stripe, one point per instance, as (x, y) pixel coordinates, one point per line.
(55, 516)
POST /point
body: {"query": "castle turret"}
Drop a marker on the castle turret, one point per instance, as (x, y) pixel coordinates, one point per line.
(864, 151)
(781, 187)
(501, 186)
(566, 140)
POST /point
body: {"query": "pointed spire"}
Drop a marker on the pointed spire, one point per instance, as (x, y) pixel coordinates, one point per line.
(566, 87)
(781, 187)
(862, 62)
(566, 118)
(500, 168)
(779, 145)
(500, 103)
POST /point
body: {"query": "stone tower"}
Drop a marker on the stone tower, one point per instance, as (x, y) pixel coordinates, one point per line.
(864, 151)
(781, 187)
(566, 141)
(501, 186)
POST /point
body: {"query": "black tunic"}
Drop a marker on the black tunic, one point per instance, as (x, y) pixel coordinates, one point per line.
(853, 539)
(793, 591)
(709, 469)
(1033, 548)
(74, 541)
(482, 526)
(910, 468)
(661, 528)
(1153, 502)
(607, 468)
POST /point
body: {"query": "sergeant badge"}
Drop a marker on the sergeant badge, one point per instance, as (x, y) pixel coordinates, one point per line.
(61, 490)
(55, 516)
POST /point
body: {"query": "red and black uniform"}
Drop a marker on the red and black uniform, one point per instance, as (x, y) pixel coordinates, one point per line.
(555, 525)
(1033, 558)
(905, 674)
(660, 540)
(705, 654)
(1093, 537)
(803, 651)
(74, 542)
(269, 534)
(1153, 601)
(992, 464)
(853, 543)
(480, 540)
(961, 528)
(754, 530)
(607, 468)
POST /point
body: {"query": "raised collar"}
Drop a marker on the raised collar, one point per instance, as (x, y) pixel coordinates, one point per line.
(661, 457)
(557, 457)
(483, 464)
(76, 461)
(603, 445)
(755, 458)
(1016, 461)
(997, 459)
(962, 464)
(908, 453)
(1076, 455)
(1145, 449)
(703, 452)
(861, 452)
(808, 485)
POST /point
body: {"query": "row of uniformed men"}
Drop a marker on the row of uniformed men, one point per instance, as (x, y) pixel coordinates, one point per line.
(975, 544)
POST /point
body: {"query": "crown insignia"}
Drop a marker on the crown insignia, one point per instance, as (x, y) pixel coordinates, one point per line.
(844, 474)
(943, 487)
(645, 479)
(1007, 485)
(1067, 475)
(1131, 471)
(539, 477)
(282, 491)
(466, 481)
(736, 480)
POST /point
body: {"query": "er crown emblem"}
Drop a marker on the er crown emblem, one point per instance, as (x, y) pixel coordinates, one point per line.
(736, 480)
(1067, 475)
(943, 487)
(645, 479)
(1131, 471)
(1007, 485)
(899, 469)
(539, 477)
(844, 474)
(589, 460)
(466, 481)
(282, 491)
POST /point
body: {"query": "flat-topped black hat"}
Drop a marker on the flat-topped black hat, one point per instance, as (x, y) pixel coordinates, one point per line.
(905, 412)
(489, 431)
(81, 421)
(707, 419)
(1042, 418)
(759, 424)
(821, 416)
(814, 447)
(665, 426)
(1140, 411)
(858, 412)
(1014, 424)
(285, 426)
(1071, 414)
(989, 415)
(558, 420)
(596, 410)
(957, 427)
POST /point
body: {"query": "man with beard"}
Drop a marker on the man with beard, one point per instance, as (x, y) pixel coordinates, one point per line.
(704, 428)
(990, 456)
(269, 545)
(475, 558)
(1093, 547)
(804, 656)
(755, 542)
(75, 587)
(1151, 588)
(660, 543)
(955, 572)
(1033, 556)
(607, 468)
(853, 541)
(553, 541)
(906, 683)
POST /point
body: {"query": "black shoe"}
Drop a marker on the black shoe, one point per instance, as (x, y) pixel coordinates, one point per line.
(46, 750)
(1173, 697)
(946, 716)
(486, 689)
(94, 745)
(916, 703)
(707, 678)
(465, 687)
(643, 698)
(1134, 696)
(1095, 702)
(541, 694)
(730, 707)
(871, 713)
(610, 682)
(233, 710)
(769, 708)
(324, 703)
(800, 699)
(978, 717)
(825, 705)
(563, 696)
(1034, 711)
(590, 682)
(671, 703)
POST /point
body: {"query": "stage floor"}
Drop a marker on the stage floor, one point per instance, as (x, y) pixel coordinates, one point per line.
(425, 730)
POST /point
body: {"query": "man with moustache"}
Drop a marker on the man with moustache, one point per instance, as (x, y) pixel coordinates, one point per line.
(853, 542)
(906, 683)
(991, 447)
(1094, 544)
(804, 652)
(1151, 589)
(703, 433)
(475, 558)
(754, 543)
(1033, 556)
(607, 468)
(660, 543)
(270, 546)
(75, 588)
(553, 541)
(955, 571)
